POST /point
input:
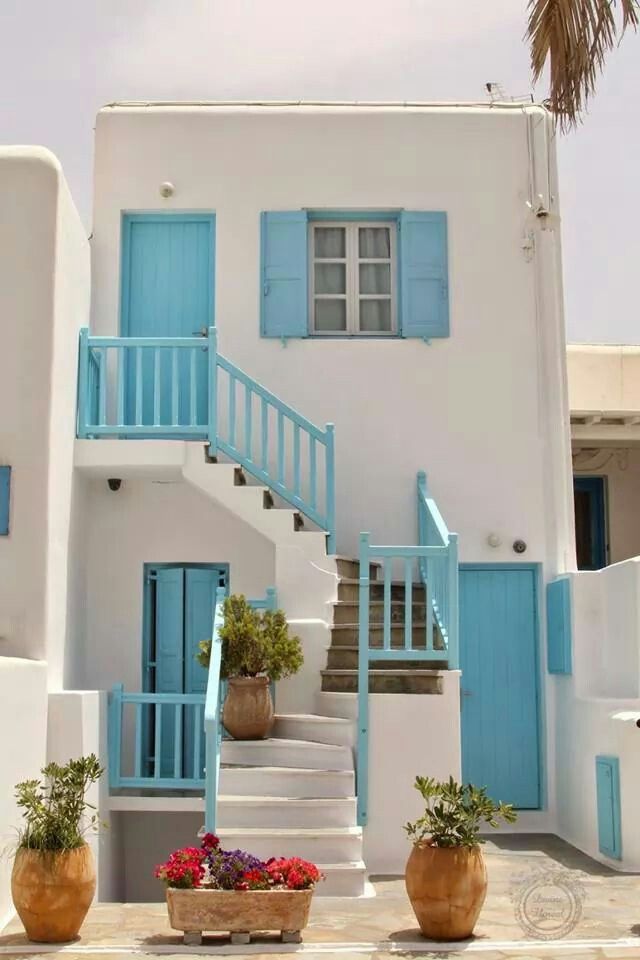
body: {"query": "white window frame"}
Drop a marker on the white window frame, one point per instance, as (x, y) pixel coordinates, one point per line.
(352, 262)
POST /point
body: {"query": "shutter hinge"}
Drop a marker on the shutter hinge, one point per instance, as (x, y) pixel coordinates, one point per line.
(265, 289)
(151, 577)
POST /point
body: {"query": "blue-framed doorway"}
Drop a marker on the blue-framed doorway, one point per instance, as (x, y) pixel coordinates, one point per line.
(590, 511)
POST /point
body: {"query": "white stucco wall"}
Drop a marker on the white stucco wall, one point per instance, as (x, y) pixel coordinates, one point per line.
(44, 299)
(23, 711)
(603, 377)
(474, 409)
(146, 522)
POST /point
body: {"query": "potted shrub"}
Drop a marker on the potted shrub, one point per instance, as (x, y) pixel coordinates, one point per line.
(257, 649)
(211, 889)
(445, 876)
(54, 877)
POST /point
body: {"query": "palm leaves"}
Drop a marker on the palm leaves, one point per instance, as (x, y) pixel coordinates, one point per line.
(575, 36)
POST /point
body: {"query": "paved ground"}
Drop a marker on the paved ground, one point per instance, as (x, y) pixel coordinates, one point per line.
(586, 909)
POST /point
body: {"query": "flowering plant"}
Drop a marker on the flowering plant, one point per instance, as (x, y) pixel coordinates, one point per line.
(218, 869)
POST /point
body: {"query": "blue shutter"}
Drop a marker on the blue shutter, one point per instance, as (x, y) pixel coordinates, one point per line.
(559, 626)
(283, 297)
(5, 490)
(424, 282)
(608, 806)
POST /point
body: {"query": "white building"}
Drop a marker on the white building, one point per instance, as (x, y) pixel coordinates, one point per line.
(393, 271)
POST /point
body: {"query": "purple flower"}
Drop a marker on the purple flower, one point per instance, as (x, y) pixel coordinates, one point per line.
(226, 867)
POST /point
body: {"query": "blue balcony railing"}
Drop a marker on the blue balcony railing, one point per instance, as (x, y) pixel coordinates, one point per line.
(182, 388)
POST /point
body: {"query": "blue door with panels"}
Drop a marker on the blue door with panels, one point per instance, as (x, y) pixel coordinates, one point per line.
(499, 684)
(180, 603)
(167, 290)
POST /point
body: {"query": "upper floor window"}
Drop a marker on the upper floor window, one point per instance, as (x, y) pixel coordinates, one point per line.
(353, 281)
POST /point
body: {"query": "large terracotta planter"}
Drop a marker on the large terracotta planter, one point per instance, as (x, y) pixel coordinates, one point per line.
(52, 892)
(446, 887)
(238, 912)
(248, 708)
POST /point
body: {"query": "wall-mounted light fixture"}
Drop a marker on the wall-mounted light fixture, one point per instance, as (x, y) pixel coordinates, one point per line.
(167, 189)
(114, 484)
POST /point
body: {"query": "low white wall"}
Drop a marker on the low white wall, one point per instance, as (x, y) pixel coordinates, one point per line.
(408, 735)
(23, 721)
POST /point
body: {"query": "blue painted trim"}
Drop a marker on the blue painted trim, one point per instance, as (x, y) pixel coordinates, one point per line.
(559, 632)
(181, 216)
(349, 216)
(596, 489)
(5, 500)
(212, 719)
(362, 779)
(608, 806)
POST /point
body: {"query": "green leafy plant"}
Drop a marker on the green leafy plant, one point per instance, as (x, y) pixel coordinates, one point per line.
(254, 642)
(55, 810)
(455, 813)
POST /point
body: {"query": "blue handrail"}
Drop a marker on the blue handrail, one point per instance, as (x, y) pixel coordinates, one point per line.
(182, 387)
(430, 629)
(212, 723)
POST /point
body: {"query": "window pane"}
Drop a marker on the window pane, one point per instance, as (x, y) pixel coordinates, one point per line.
(329, 243)
(375, 278)
(331, 278)
(374, 242)
(331, 316)
(375, 316)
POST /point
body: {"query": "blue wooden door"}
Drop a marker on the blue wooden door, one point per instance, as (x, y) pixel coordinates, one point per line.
(499, 685)
(182, 617)
(168, 270)
(590, 519)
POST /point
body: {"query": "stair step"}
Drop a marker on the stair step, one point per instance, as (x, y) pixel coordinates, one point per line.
(335, 704)
(348, 611)
(349, 590)
(346, 658)
(320, 845)
(235, 812)
(286, 753)
(347, 635)
(317, 729)
(349, 568)
(384, 681)
(291, 782)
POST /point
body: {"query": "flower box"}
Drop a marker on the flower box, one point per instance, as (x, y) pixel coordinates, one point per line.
(238, 912)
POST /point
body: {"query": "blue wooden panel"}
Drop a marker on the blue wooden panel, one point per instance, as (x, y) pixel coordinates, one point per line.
(424, 280)
(169, 631)
(5, 500)
(499, 685)
(608, 806)
(168, 271)
(559, 626)
(284, 294)
(591, 522)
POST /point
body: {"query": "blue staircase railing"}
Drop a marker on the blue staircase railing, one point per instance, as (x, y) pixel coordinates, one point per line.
(182, 388)
(212, 719)
(430, 629)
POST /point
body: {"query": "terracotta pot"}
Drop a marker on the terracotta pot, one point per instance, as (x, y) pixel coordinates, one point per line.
(232, 911)
(446, 887)
(248, 708)
(52, 892)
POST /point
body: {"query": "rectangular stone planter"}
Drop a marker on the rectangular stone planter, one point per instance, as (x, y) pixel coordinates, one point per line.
(238, 912)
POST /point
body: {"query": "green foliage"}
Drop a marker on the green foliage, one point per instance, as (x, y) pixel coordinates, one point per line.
(455, 813)
(254, 642)
(55, 811)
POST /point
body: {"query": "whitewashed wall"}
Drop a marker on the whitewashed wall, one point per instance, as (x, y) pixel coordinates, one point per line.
(23, 711)
(474, 409)
(146, 522)
(44, 299)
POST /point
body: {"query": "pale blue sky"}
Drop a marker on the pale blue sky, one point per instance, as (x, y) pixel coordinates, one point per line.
(60, 61)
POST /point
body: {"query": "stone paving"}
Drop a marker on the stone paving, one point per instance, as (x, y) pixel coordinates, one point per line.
(607, 921)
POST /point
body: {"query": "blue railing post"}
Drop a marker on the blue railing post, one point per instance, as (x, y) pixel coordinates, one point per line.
(115, 735)
(212, 721)
(271, 599)
(83, 382)
(363, 681)
(330, 482)
(213, 391)
(454, 616)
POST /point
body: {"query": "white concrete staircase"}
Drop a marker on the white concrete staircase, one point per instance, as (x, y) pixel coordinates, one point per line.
(294, 795)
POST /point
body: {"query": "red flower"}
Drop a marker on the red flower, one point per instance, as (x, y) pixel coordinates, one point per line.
(210, 842)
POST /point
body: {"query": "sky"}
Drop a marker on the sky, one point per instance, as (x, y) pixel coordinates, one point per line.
(60, 61)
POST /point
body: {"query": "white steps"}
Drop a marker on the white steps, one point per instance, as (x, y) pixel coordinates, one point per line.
(320, 844)
(286, 753)
(292, 813)
(294, 782)
(339, 705)
(316, 729)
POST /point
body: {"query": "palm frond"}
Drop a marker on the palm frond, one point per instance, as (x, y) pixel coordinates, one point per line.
(575, 36)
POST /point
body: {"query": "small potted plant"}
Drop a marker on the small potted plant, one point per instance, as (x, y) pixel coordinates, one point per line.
(445, 876)
(54, 876)
(211, 889)
(257, 649)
